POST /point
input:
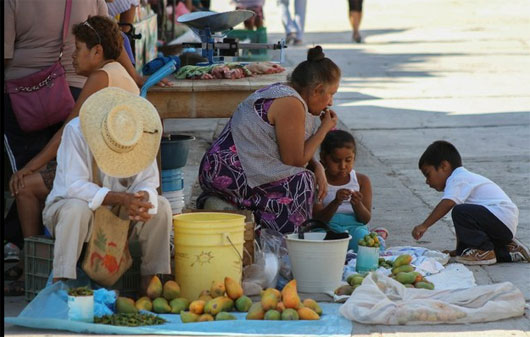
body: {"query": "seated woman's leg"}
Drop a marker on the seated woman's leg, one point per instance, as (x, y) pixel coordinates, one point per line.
(30, 201)
(284, 205)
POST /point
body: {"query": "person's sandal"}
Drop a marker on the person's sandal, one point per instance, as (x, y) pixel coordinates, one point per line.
(452, 253)
(13, 273)
(15, 288)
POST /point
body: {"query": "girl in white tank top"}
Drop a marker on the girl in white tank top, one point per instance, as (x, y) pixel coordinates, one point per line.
(348, 201)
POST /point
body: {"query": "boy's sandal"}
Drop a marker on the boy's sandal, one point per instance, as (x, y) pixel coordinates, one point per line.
(15, 288)
(382, 232)
(13, 273)
(452, 253)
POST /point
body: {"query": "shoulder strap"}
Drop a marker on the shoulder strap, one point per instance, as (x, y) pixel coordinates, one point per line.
(66, 24)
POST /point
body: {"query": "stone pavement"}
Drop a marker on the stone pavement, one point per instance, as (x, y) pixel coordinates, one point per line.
(455, 70)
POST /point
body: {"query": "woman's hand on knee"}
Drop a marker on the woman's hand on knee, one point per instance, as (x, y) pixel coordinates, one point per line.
(16, 183)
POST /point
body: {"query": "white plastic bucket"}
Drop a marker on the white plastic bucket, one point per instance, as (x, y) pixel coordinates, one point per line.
(81, 308)
(317, 263)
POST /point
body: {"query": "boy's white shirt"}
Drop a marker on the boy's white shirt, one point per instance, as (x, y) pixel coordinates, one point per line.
(345, 207)
(73, 178)
(465, 187)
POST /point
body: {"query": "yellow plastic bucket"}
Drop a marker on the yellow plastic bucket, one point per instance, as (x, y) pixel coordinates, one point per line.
(208, 247)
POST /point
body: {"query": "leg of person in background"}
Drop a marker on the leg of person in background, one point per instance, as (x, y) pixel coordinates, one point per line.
(356, 13)
(299, 20)
(258, 19)
(287, 21)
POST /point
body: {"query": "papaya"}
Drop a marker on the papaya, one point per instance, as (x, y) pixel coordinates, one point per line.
(269, 301)
(280, 307)
(402, 260)
(306, 313)
(144, 303)
(227, 304)
(402, 269)
(218, 304)
(418, 276)
(188, 317)
(313, 305)
(424, 285)
(290, 296)
(217, 289)
(197, 307)
(255, 311)
(205, 298)
(405, 278)
(274, 291)
(233, 288)
(205, 318)
(224, 316)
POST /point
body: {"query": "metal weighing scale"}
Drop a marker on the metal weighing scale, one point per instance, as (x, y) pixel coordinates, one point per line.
(205, 24)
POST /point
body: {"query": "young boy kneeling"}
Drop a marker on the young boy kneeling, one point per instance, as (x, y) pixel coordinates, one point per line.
(484, 217)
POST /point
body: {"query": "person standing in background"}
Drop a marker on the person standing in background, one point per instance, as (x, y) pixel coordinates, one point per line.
(252, 5)
(356, 14)
(294, 26)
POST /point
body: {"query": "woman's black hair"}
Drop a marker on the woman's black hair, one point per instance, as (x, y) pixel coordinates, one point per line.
(317, 69)
(337, 139)
(439, 151)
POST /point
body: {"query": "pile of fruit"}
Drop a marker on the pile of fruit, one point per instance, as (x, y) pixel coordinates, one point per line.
(369, 240)
(354, 281)
(285, 305)
(80, 291)
(403, 272)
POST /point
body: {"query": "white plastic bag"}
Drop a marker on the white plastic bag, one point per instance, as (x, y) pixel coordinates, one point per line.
(382, 300)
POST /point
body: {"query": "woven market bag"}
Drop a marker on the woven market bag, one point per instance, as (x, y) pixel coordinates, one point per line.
(107, 257)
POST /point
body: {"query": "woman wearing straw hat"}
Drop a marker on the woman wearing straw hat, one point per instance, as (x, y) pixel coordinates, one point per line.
(263, 159)
(115, 140)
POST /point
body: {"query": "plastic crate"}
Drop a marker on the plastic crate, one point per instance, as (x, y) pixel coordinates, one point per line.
(38, 264)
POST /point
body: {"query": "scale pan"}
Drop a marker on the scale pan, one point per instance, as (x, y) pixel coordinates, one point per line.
(217, 22)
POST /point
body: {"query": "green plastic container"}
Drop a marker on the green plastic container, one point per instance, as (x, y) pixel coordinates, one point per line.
(255, 36)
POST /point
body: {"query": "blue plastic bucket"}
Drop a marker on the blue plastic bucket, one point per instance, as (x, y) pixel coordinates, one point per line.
(367, 259)
(172, 180)
(174, 151)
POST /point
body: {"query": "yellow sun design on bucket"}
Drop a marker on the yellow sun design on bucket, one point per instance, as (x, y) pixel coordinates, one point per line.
(202, 258)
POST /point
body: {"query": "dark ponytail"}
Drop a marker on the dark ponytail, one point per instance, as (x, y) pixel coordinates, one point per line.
(317, 69)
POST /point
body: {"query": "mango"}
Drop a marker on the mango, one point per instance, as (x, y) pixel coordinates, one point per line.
(255, 311)
(272, 315)
(205, 318)
(227, 304)
(402, 260)
(154, 289)
(313, 305)
(224, 316)
(171, 290)
(125, 305)
(409, 285)
(307, 314)
(402, 269)
(418, 278)
(197, 307)
(234, 290)
(188, 317)
(269, 301)
(243, 303)
(405, 278)
(161, 306)
(280, 307)
(344, 290)
(274, 291)
(205, 293)
(218, 304)
(144, 303)
(205, 298)
(424, 285)
(179, 304)
(290, 296)
(354, 279)
(217, 289)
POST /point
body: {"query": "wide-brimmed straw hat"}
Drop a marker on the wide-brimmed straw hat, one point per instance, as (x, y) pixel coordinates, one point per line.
(123, 131)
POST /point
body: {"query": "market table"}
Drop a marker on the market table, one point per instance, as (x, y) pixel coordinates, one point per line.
(207, 98)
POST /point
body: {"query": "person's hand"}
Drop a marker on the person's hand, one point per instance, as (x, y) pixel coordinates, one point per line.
(328, 119)
(418, 231)
(16, 183)
(137, 206)
(342, 195)
(356, 198)
(163, 82)
(321, 181)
